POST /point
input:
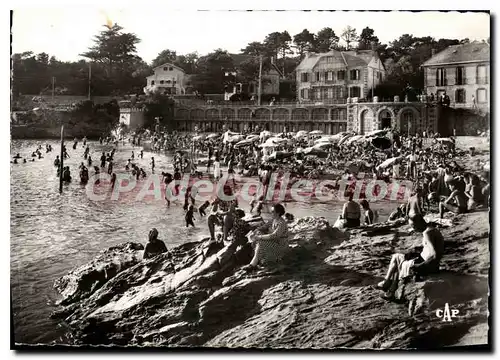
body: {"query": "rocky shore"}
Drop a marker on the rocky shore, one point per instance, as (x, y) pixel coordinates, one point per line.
(321, 297)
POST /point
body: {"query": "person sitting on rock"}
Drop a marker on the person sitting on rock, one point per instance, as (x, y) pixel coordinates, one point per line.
(351, 213)
(154, 246)
(399, 213)
(424, 263)
(414, 211)
(456, 202)
(369, 214)
(271, 247)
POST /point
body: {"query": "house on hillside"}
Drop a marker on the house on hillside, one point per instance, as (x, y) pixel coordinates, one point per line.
(270, 80)
(463, 72)
(169, 79)
(337, 75)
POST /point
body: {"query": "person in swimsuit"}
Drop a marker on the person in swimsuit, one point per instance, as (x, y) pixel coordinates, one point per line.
(414, 211)
(190, 216)
(456, 202)
(473, 192)
(424, 263)
(154, 246)
(351, 213)
(369, 215)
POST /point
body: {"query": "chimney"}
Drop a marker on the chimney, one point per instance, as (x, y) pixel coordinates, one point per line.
(433, 51)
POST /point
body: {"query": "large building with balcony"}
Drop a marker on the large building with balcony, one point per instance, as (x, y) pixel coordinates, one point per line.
(462, 72)
(169, 79)
(334, 76)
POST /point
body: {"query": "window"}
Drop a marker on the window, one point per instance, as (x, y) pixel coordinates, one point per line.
(317, 93)
(481, 96)
(355, 91)
(161, 81)
(460, 96)
(304, 93)
(329, 75)
(441, 77)
(354, 74)
(329, 59)
(170, 68)
(330, 93)
(304, 77)
(317, 76)
(481, 75)
(165, 68)
(168, 81)
(341, 75)
(152, 82)
(460, 76)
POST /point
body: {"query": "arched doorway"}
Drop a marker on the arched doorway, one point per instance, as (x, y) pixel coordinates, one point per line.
(407, 122)
(365, 122)
(385, 118)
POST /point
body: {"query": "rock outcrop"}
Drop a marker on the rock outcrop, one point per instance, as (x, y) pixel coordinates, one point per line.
(320, 297)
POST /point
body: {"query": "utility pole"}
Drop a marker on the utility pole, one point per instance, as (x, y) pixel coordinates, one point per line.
(53, 86)
(90, 76)
(260, 80)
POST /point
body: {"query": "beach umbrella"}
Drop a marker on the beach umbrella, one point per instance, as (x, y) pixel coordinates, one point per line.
(354, 139)
(376, 133)
(388, 162)
(300, 134)
(316, 132)
(278, 155)
(253, 137)
(264, 135)
(322, 145)
(236, 138)
(381, 143)
(267, 145)
(242, 143)
(345, 138)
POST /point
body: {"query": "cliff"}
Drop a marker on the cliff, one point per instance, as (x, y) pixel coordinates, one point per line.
(321, 297)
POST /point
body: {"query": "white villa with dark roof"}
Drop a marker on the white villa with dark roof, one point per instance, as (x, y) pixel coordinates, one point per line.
(463, 72)
(337, 75)
(169, 79)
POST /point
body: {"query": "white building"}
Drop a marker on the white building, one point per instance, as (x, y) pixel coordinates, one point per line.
(167, 78)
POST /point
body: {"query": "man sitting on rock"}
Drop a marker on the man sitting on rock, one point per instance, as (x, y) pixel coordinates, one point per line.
(154, 246)
(427, 262)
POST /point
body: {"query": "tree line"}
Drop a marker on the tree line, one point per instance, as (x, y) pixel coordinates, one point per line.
(115, 68)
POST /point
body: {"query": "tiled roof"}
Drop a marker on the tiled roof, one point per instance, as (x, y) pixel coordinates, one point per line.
(352, 58)
(474, 51)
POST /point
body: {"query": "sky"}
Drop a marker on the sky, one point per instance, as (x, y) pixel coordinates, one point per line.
(65, 32)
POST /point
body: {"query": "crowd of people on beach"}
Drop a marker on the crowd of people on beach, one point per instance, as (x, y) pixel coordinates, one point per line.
(440, 184)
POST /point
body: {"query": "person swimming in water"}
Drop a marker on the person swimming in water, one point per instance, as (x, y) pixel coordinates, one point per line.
(142, 154)
(202, 208)
(190, 216)
(97, 172)
(127, 167)
(133, 156)
(110, 167)
(66, 174)
(89, 161)
(103, 159)
(113, 181)
(57, 162)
